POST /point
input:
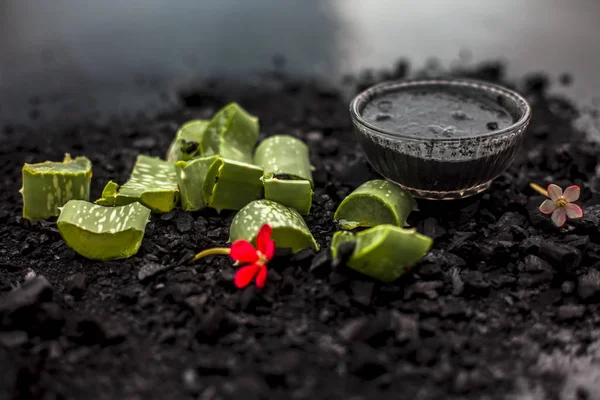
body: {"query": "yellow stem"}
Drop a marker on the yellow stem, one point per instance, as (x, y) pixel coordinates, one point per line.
(217, 251)
(539, 189)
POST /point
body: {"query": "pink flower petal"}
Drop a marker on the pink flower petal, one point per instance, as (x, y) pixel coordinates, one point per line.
(261, 277)
(573, 211)
(559, 216)
(243, 251)
(572, 193)
(547, 207)
(244, 275)
(554, 191)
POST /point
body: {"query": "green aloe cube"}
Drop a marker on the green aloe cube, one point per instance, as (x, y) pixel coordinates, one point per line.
(218, 183)
(288, 177)
(50, 185)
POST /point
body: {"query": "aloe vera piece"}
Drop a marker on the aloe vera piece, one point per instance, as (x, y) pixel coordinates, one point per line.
(284, 155)
(186, 144)
(296, 194)
(231, 185)
(50, 185)
(288, 177)
(191, 176)
(231, 134)
(375, 203)
(109, 194)
(384, 252)
(103, 233)
(153, 182)
(218, 183)
(289, 228)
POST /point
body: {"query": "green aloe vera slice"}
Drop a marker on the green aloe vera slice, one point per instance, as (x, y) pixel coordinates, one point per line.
(296, 194)
(50, 185)
(153, 183)
(103, 233)
(231, 185)
(384, 252)
(284, 155)
(186, 144)
(191, 177)
(288, 177)
(231, 134)
(289, 228)
(375, 203)
(218, 183)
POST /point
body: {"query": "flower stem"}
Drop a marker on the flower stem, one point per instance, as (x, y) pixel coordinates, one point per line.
(217, 251)
(539, 189)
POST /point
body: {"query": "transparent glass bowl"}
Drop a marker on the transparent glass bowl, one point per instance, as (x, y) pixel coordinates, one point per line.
(442, 168)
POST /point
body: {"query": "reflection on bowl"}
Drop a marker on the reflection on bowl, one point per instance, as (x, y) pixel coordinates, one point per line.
(434, 160)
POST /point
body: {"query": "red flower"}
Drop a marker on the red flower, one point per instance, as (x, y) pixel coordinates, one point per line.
(244, 252)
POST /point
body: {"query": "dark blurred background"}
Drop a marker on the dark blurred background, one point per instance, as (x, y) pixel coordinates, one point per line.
(76, 57)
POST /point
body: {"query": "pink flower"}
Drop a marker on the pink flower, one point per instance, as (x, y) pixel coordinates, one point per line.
(560, 204)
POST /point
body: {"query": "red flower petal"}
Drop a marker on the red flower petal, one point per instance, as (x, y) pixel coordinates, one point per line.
(243, 251)
(263, 238)
(270, 250)
(261, 277)
(244, 275)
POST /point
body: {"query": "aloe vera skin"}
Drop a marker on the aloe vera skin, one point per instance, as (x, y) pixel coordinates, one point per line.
(375, 203)
(289, 229)
(384, 252)
(186, 144)
(296, 194)
(50, 185)
(153, 182)
(231, 134)
(103, 233)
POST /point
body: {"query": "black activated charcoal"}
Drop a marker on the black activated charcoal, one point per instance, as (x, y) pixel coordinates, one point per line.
(435, 113)
(185, 331)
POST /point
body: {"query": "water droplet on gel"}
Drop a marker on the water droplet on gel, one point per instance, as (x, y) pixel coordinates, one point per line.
(382, 117)
(384, 105)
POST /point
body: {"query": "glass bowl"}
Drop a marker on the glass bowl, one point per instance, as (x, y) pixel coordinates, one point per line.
(442, 168)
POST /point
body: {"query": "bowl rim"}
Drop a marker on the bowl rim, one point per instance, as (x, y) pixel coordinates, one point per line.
(472, 83)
